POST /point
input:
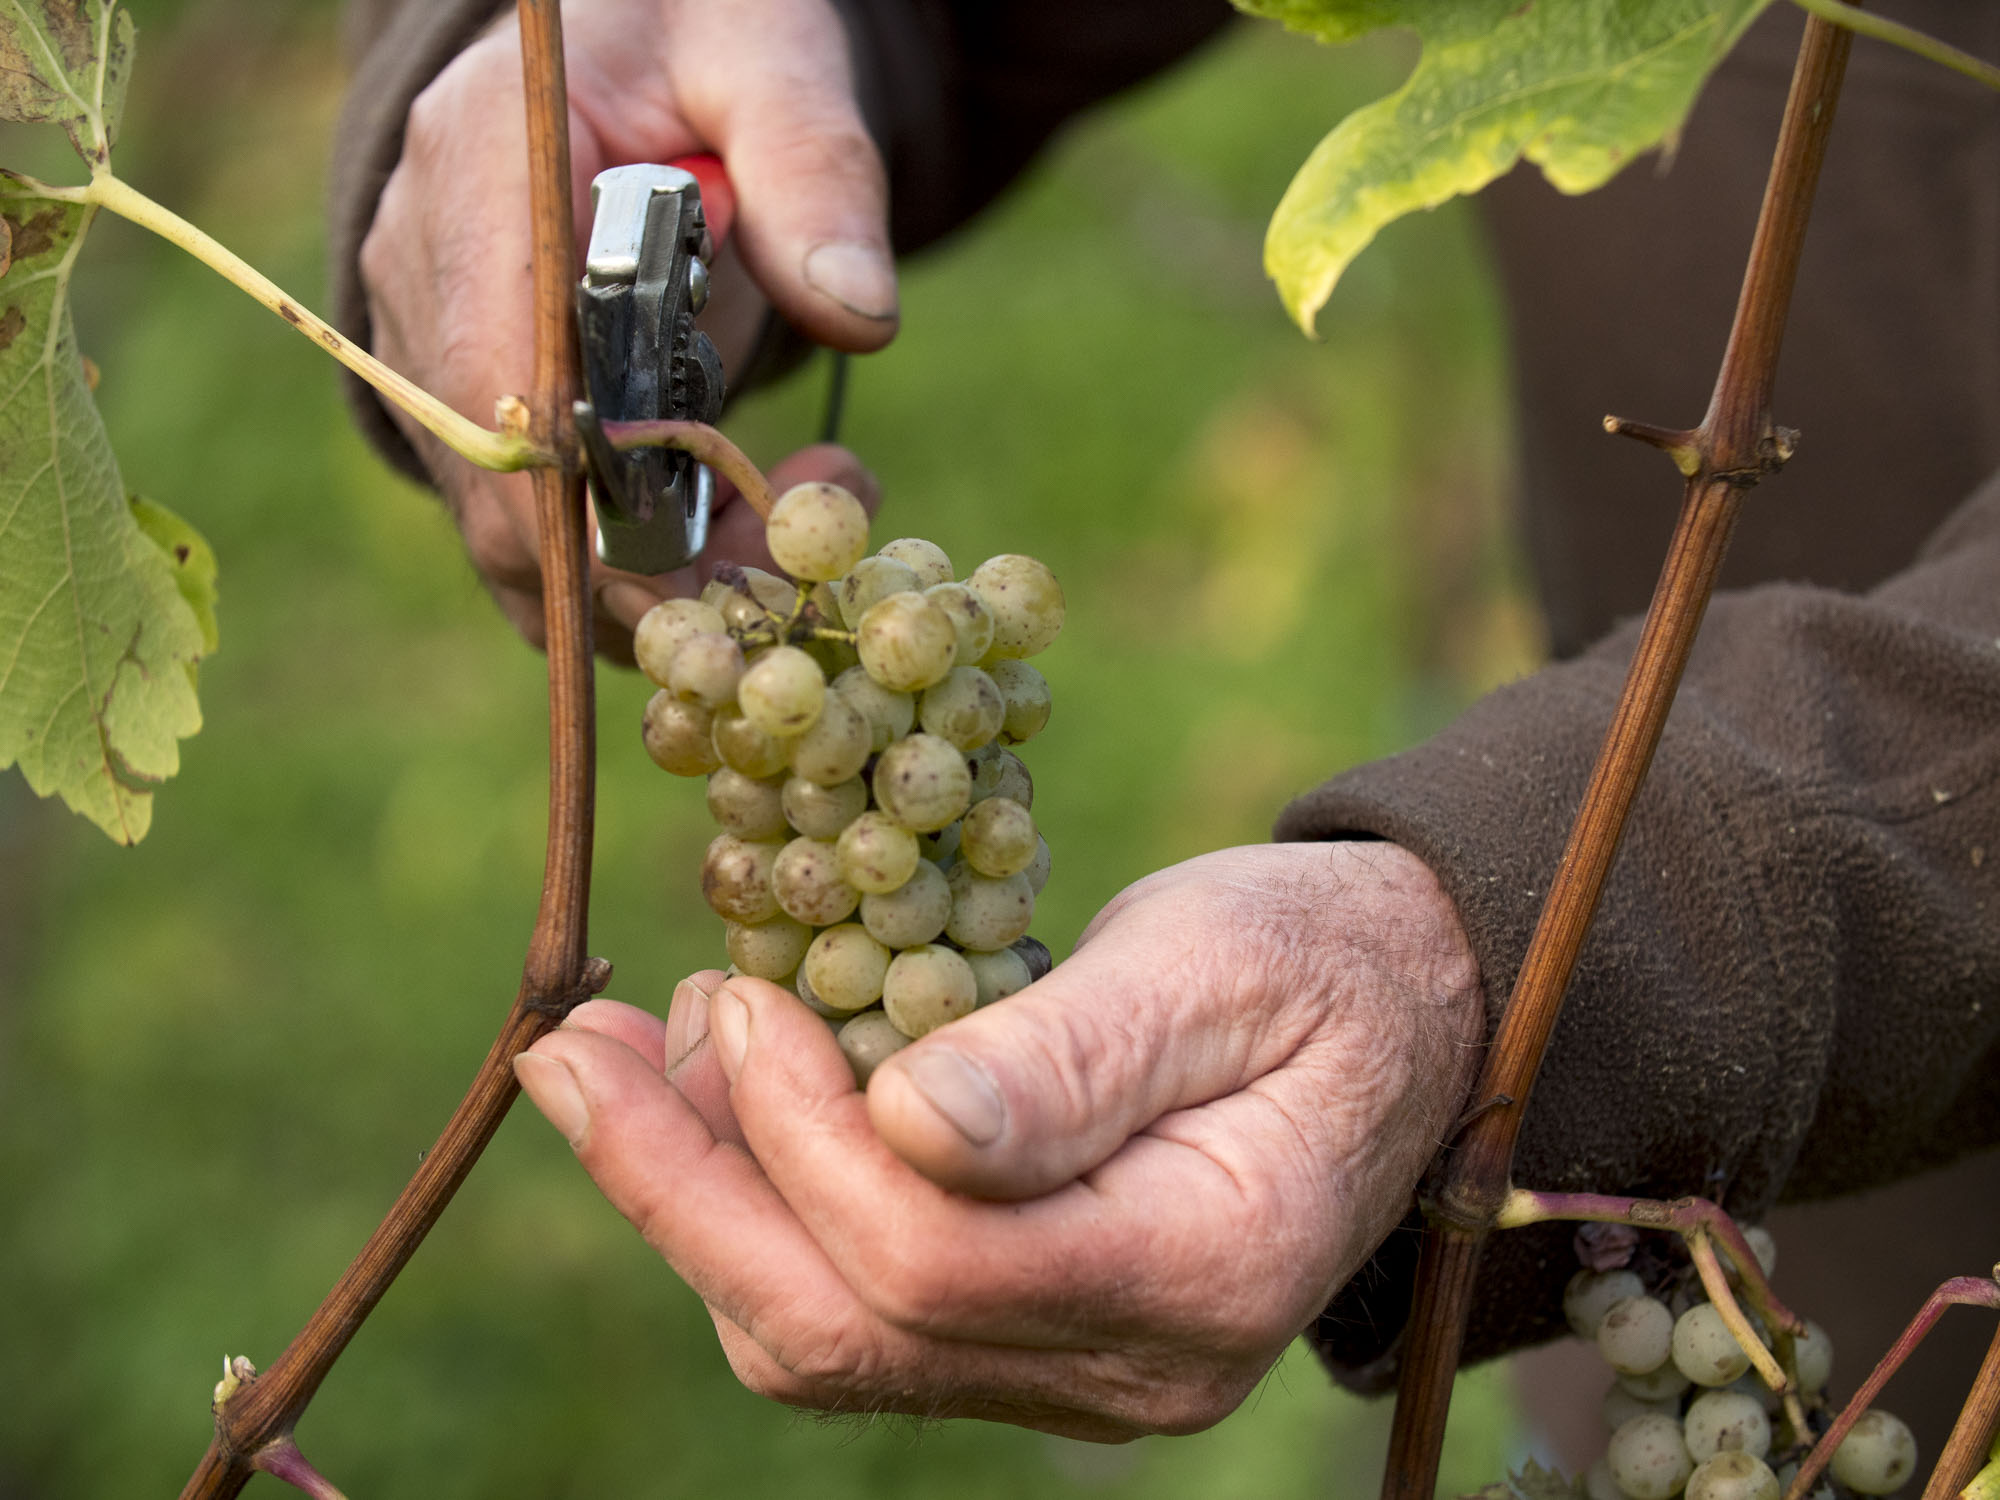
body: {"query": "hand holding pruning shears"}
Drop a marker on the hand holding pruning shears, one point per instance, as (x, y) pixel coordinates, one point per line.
(446, 261)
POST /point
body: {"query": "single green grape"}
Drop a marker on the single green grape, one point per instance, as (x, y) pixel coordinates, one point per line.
(971, 621)
(905, 642)
(1590, 1294)
(925, 559)
(1648, 1458)
(706, 669)
(869, 1040)
(870, 581)
(746, 806)
(1878, 1455)
(821, 812)
(998, 973)
(987, 913)
(997, 837)
(782, 692)
(877, 854)
(1716, 1420)
(770, 949)
(736, 878)
(1705, 1349)
(1733, 1476)
(807, 882)
(816, 531)
(1025, 694)
(963, 707)
(1636, 1335)
(922, 782)
(662, 629)
(742, 746)
(845, 967)
(914, 912)
(676, 734)
(927, 987)
(1025, 601)
(836, 747)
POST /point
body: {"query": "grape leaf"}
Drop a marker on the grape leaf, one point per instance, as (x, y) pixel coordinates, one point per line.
(66, 62)
(96, 636)
(1578, 87)
(192, 562)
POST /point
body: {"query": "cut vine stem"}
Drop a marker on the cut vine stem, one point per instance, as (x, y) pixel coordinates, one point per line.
(253, 1425)
(707, 444)
(1736, 444)
(503, 450)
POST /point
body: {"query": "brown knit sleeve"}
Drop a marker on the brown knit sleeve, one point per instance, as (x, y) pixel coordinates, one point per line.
(1790, 990)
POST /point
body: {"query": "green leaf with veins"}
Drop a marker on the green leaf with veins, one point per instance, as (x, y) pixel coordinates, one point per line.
(97, 639)
(66, 62)
(1578, 87)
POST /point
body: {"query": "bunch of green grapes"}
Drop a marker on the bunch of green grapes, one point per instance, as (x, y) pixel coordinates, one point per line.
(878, 855)
(1687, 1413)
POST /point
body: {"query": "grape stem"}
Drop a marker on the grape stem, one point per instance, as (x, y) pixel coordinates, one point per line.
(1736, 444)
(1702, 1225)
(1780, 1377)
(1882, 29)
(257, 1420)
(707, 445)
(282, 1460)
(504, 451)
(1962, 1291)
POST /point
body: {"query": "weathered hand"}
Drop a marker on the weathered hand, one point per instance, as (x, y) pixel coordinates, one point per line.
(767, 84)
(1181, 1142)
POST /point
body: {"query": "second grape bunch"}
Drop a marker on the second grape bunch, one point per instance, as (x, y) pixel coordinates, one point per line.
(878, 854)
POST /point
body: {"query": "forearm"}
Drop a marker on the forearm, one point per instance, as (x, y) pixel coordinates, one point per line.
(1787, 990)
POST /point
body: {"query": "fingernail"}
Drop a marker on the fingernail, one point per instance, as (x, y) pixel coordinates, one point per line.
(687, 1021)
(554, 1089)
(729, 1028)
(959, 1089)
(859, 277)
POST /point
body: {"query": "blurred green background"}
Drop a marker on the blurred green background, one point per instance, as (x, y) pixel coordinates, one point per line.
(222, 1052)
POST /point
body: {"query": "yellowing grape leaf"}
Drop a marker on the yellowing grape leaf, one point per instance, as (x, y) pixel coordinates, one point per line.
(1578, 87)
(96, 637)
(66, 62)
(191, 561)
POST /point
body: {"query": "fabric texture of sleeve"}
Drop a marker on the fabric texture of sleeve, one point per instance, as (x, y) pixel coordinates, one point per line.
(959, 95)
(1793, 985)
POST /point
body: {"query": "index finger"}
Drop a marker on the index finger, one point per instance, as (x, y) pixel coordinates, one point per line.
(1138, 1250)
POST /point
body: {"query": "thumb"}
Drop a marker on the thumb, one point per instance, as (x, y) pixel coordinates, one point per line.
(1162, 1009)
(812, 196)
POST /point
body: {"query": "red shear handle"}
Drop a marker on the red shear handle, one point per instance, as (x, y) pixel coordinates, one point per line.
(718, 198)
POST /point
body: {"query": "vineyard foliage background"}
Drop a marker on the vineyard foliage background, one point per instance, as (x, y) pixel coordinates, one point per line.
(220, 1051)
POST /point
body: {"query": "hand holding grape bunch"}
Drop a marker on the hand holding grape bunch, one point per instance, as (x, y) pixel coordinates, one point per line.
(877, 842)
(1198, 1126)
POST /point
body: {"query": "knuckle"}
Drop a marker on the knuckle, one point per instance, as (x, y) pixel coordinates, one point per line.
(903, 1288)
(839, 1357)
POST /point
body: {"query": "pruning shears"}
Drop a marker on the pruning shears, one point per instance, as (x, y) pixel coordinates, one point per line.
(645, 278)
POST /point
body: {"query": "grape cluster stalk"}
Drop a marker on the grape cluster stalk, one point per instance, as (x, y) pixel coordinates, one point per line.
(1688, 1415)
(878, 854)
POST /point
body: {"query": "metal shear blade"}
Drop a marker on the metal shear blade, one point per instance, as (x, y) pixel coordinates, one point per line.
(645, 278)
